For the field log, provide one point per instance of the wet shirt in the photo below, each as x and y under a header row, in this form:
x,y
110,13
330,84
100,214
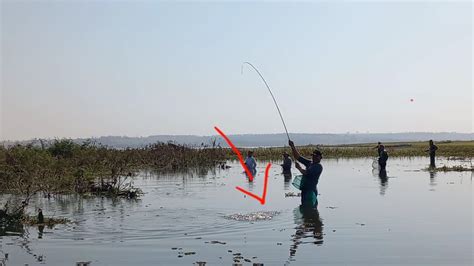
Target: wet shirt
x,y
286,165
433,149
251,163
313,171
380,150
383,157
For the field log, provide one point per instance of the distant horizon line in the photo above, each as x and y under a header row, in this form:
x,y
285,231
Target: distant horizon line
x,y
241,134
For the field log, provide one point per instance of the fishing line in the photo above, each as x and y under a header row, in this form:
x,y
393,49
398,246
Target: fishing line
x,y
268,87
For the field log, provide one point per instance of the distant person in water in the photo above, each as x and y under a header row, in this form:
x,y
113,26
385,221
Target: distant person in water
x,y
286,164
383,157
432,150
309,190
40,216
379,148
251,163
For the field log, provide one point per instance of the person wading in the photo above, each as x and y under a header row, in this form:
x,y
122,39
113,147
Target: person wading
x,y
286,164
379,148
251,163
383,157
432,150
309,190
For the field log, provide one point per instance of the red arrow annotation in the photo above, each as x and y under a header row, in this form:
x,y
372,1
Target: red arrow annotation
x,y
267,170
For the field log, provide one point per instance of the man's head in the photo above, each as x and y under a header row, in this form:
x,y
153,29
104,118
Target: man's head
x,y
431,142
317,156
250,153
285,154
382,147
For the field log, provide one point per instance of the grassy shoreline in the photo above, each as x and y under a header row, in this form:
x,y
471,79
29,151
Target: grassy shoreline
x,y
88,169
453,149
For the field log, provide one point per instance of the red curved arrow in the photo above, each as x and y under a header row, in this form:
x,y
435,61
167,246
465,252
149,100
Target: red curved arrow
x,y
267,170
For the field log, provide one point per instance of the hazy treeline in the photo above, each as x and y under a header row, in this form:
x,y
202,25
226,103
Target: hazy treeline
x,y
260,140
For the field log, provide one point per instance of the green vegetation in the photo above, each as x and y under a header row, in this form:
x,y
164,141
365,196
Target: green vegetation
x,y
452,149
456,168
66,167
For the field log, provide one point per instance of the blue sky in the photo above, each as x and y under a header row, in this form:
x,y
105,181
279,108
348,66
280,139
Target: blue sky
x,y
94,68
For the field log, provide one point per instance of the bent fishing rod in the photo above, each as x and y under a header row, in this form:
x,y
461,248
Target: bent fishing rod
x,y
268,87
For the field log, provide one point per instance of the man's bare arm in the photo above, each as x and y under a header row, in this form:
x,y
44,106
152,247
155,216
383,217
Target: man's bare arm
x,y
296,154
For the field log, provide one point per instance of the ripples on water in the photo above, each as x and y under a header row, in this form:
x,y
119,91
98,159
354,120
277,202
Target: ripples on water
x,y
200,217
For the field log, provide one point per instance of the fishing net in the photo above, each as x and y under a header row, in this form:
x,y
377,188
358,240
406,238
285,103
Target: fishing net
x,y
375,163
297,181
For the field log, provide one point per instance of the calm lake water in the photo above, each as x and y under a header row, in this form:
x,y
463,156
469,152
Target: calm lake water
x,y
412,217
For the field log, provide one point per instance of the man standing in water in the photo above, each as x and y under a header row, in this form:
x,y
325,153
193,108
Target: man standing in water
x,y
383,157
286,164
379,148
432,150
309,190
251,163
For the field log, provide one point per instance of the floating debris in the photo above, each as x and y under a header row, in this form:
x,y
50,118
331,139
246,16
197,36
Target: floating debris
x,y
218,242
189,253
200,263
330,207
253,216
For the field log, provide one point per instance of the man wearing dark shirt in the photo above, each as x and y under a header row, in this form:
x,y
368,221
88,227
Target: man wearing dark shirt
x,y
383,157
379,148
286,164
309,191
432,150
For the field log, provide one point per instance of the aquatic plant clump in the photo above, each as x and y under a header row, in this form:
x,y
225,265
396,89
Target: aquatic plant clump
x,y
49,221
67,167
456,168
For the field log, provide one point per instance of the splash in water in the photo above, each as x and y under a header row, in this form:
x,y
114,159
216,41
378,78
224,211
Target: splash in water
x,y
253,216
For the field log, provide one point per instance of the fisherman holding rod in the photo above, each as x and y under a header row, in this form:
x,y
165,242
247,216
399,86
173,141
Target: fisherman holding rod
x,y
309,191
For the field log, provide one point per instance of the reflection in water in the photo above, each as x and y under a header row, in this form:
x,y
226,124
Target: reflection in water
x,y
432,172
308,225
383,178
11,228
40,231
287,183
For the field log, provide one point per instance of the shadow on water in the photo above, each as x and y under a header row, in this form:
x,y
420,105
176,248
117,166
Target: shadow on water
x,y
309,228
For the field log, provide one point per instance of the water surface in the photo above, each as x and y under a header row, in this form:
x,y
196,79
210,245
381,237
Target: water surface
x,y
409,217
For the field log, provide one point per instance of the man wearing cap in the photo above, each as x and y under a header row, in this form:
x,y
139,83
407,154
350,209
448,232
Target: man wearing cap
x,y
309,191
286,164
